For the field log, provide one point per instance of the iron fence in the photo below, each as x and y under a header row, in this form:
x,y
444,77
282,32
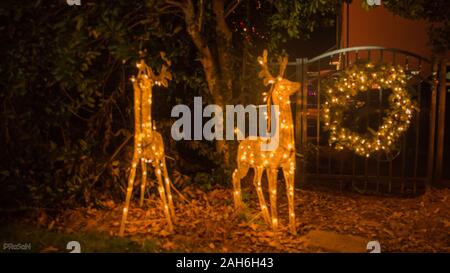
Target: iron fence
x,y
409,170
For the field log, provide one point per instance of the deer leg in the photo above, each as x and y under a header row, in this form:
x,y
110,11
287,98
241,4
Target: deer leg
x,y
162,194
289,178
262,201
272,177
168,190
238,174
128,194
144,181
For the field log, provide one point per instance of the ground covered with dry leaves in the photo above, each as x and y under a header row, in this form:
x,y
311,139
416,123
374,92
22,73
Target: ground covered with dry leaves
x,y
326,222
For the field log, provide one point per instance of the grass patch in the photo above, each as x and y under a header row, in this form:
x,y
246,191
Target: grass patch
x,y
43,240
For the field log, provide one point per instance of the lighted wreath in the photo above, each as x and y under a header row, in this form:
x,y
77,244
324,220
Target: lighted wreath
x,y
340,95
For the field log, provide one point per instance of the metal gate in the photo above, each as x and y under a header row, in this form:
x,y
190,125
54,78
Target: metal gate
x,y
409,171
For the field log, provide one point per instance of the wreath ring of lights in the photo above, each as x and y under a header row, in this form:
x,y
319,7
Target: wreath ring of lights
x,y
342,89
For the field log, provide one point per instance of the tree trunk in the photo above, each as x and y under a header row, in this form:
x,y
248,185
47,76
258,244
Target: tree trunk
x,y
218,71
225,69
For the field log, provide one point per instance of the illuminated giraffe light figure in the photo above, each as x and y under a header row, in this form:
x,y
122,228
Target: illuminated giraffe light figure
x,y
250,154
148,144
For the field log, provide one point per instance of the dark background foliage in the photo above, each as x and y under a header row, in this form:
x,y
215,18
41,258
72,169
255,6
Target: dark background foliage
x,y
67,101
66,97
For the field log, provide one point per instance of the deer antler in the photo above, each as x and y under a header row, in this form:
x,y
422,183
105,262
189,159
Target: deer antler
x,y
165,75
265,72
283,61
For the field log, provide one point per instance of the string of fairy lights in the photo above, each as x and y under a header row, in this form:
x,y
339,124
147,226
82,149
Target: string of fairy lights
x,y
248,30
148,143
250,154
340,93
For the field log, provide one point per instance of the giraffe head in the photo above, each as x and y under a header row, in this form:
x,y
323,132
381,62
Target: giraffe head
x,y
146,74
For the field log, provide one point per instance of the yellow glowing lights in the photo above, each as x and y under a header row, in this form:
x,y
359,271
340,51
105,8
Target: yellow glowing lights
x,y
360,78
282,157
148,144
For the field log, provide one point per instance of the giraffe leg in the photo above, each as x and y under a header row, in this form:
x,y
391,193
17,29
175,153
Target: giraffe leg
x,y
162,194
272,177
144,181
128,194
238,174
262,201
168,190
289,178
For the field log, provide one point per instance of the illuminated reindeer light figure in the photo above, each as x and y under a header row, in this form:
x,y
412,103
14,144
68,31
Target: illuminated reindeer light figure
x,y
148,144
250,154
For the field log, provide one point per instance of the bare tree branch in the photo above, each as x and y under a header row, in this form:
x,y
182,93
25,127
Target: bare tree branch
x,y
167,9
231,7
222,27
193,29
179,4
200,16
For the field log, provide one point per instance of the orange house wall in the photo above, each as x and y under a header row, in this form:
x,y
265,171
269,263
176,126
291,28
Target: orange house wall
x,y
380,27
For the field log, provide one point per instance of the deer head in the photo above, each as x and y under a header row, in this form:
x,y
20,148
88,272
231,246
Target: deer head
x,y
285,87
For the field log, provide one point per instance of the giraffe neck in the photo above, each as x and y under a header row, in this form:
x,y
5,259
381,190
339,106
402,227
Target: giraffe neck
x,y
142,112
146,111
